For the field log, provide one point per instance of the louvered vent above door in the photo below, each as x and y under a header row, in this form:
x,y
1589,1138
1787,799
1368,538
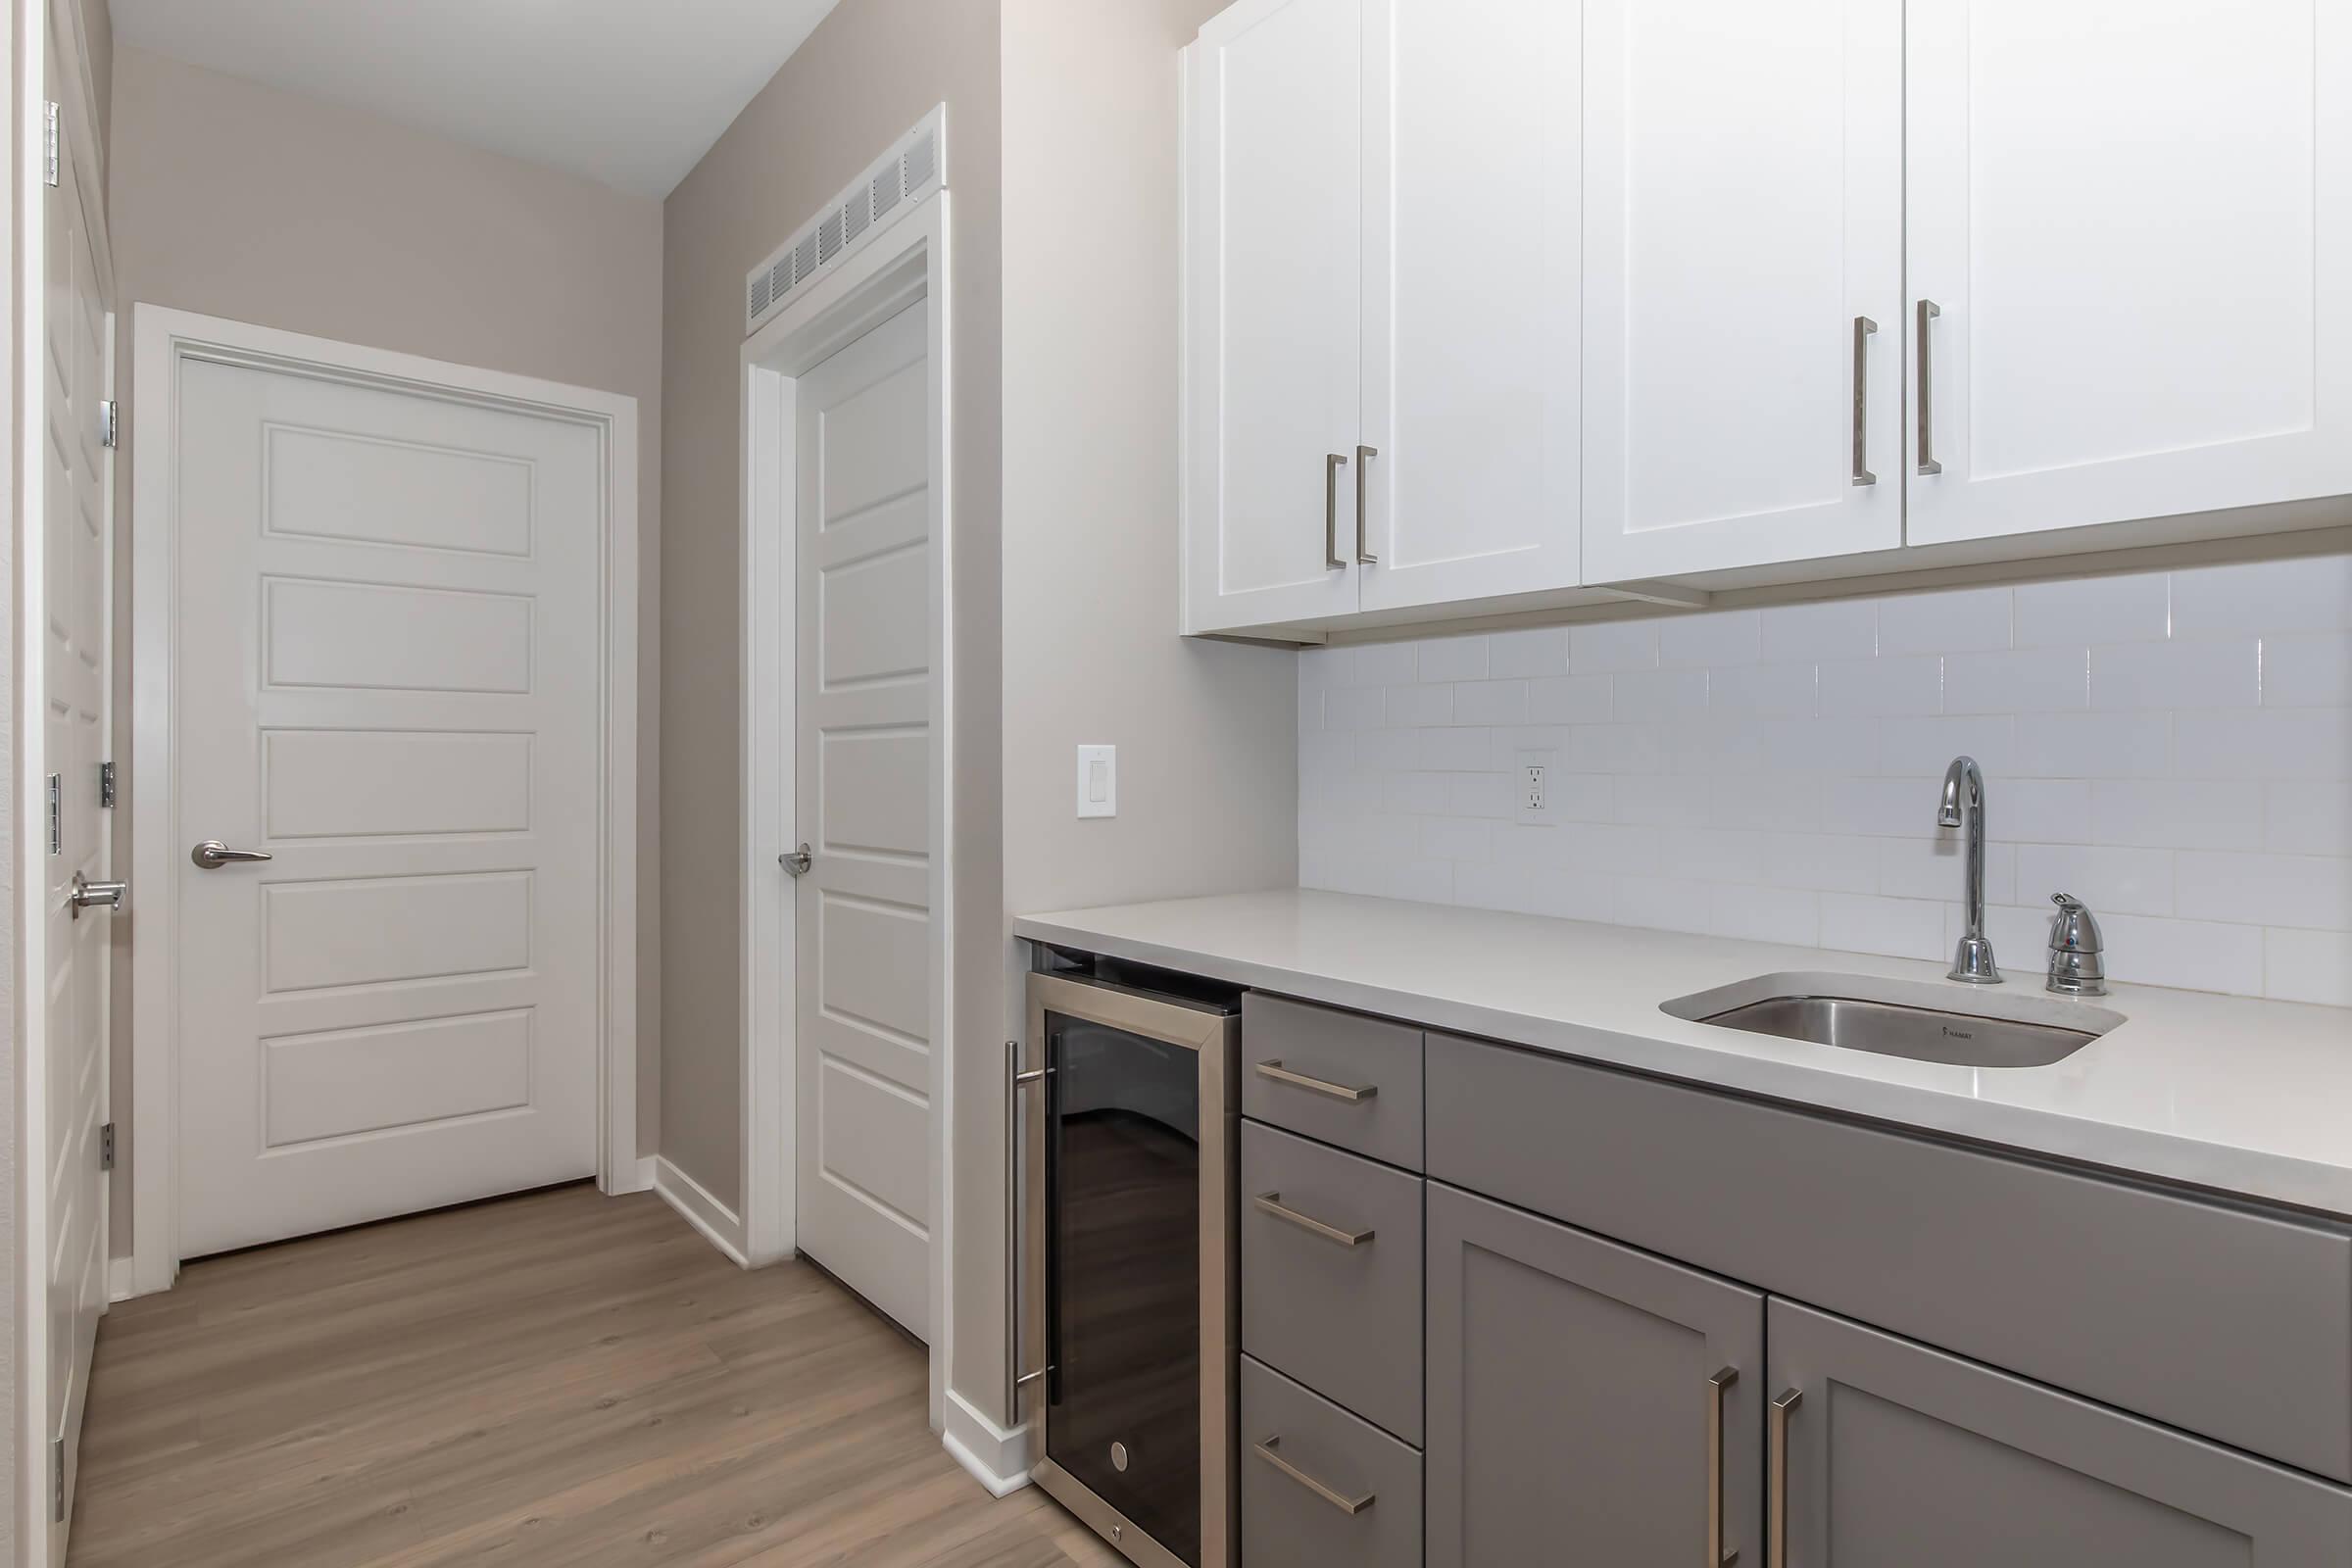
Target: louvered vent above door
x,y
914,168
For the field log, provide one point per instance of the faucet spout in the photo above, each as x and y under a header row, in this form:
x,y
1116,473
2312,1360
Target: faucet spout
x,y
1963,804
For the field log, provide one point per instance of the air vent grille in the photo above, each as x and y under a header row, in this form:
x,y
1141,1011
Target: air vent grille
x,y
909,171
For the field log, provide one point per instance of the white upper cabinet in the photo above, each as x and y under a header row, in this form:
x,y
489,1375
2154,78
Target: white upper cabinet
x,y
2136,224
1273,357
1743,233
1471,289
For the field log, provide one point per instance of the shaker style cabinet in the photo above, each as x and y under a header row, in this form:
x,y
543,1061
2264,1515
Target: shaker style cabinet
x,y
1381,299
1587,1402
1885,1452
2131,237
1744,284
1548,301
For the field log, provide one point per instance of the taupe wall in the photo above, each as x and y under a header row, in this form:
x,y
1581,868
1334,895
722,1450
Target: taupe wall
x,y
241,201
1206,732
868,72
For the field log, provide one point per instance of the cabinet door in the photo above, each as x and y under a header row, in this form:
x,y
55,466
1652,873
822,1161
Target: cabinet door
x,y
1571,1400
1472,125
1897,1453
1273,361
1743,215
2138,227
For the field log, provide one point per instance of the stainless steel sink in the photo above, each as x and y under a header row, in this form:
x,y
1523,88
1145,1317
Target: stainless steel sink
x,y
1901,1019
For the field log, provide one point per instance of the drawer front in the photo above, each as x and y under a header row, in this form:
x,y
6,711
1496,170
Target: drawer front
x,y
1318,1486
1330,1275
2217,1319
1340,1077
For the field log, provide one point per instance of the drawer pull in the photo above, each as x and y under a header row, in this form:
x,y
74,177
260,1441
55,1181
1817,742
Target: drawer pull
x,y
1355,1095
1272,1203
1717,1387
1351,1506
1779,1483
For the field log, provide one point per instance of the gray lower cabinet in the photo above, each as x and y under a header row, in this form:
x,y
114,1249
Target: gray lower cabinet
x,y
1899,1455
1320,1487
1576,1402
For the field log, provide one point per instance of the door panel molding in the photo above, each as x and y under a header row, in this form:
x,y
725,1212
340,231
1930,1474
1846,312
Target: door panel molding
x,y
164,341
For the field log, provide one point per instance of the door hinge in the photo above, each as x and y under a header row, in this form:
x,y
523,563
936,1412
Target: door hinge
x,y
57,1480
106,1147
106,785
53,144
110,422
57,819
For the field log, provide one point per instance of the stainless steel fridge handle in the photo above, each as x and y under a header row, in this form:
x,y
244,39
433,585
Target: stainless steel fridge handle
x,y
1016,1079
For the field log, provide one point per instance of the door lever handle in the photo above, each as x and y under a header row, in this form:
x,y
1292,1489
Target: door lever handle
x,y
796,862
211,854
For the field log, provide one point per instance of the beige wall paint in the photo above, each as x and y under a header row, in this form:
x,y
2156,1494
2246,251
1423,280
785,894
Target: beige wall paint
x,y
242,201
868,72
1206,732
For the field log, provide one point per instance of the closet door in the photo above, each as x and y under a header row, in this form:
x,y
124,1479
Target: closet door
x,y
1273,363
1742,228
2136,225
1472,122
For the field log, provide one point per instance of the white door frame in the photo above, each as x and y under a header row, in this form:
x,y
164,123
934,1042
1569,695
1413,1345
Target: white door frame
x,y
163,338
892,271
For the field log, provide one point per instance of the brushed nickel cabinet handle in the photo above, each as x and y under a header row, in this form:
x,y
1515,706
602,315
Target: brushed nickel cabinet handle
x,y
1331,511
1929,310
1273,1204
1779,1481
1354,1094
1348,1505
1864,330
1717,1387
1363,471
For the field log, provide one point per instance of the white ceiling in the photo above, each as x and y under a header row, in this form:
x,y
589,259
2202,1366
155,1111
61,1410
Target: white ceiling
x,y
629,92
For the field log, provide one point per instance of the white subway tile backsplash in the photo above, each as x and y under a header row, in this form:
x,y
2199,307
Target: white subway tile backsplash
x,y
2218,673
2019,680
2308,966
2174,748
2133,607
2311,669
1842,628
1969,618
1607,647
1569,699
1710,641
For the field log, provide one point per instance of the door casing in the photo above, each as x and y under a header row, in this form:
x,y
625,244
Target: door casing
x,y
891,271
161,339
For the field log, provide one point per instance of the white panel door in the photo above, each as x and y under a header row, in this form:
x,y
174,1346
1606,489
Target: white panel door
x,y
1273,366
73,634
863,992
2136,224
1743,212
388,680
1472,167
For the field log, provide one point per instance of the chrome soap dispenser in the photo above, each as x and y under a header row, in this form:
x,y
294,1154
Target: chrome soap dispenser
x,y
2078,957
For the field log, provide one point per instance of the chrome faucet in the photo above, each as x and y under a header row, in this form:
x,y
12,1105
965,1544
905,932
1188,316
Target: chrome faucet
x,y
1964,800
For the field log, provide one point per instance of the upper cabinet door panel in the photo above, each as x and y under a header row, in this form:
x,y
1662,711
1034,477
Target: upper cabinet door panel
x,y
1743,208
1273,221
2138,227
1472,131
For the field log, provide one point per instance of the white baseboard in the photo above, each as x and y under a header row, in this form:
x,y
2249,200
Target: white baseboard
x,y
721,1226
645,1173
119,1282
997,1458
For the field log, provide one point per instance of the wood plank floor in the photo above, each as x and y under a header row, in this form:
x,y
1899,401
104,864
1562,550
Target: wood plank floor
x,y
559,1379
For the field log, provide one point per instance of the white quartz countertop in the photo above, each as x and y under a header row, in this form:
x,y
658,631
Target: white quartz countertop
x,y
2239,1096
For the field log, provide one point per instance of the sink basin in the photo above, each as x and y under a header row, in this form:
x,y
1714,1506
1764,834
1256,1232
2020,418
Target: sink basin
x,y
1901,1019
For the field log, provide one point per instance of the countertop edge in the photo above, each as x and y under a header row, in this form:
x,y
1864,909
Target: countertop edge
x,y
2228,1171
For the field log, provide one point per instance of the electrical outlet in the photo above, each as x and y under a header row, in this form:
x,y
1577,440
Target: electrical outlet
x,y
1531,782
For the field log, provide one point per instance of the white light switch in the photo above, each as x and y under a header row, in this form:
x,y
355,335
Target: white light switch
x,y
1097,781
